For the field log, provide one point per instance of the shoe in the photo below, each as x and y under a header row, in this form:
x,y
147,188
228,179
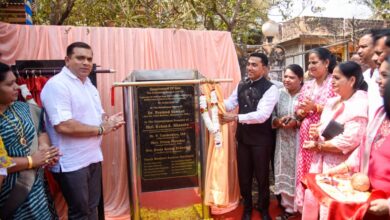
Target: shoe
x,y
246,215
265,215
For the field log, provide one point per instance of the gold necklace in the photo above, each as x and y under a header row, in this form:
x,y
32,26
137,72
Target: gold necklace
x,y
20,132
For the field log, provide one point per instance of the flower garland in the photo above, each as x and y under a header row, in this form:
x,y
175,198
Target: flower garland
x,y
212,123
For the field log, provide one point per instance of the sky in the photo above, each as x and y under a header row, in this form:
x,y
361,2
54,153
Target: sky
x,y
333,8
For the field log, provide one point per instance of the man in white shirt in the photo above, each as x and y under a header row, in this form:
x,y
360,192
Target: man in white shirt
x,y
380,51
75,122
256,98
366,52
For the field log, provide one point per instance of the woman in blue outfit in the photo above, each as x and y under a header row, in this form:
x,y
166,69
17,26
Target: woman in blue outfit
x,y
24,193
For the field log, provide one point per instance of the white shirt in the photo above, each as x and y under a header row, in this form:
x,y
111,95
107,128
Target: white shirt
x,y
66,97
374,98
263,110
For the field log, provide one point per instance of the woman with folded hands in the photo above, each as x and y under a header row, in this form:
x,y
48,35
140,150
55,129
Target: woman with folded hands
x,y
312,98
342,125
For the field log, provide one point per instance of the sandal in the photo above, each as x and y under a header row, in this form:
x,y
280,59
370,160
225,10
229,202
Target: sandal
x,y
285,216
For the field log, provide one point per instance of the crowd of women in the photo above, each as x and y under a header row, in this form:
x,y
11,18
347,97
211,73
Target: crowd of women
x,y
323,127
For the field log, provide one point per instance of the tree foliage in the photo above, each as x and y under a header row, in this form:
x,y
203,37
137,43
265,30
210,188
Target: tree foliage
x,y
286,8
380,8
241,17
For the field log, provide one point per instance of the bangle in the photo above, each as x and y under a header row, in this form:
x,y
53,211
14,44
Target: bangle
x,y
30,162
318,108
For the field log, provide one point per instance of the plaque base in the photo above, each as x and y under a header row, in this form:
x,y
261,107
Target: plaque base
x,y
171,204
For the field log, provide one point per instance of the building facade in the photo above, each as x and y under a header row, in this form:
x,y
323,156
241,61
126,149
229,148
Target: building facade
x,y
299,35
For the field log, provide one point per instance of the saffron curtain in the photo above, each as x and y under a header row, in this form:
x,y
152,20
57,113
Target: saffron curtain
x,y
212,53
222,191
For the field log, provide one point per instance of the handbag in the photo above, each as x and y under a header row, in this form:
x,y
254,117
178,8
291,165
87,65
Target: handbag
x,y
26,178
334,128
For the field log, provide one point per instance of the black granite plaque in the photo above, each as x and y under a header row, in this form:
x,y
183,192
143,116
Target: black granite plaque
x,y
166,137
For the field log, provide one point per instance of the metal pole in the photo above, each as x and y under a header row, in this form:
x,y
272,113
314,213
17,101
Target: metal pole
x,y
203,149
172,82
131,153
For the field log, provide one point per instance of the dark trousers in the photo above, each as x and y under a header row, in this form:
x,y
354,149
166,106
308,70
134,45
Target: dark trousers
x,y
253,159
82,191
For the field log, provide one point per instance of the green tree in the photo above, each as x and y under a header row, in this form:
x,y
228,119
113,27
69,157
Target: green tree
x,y
240,17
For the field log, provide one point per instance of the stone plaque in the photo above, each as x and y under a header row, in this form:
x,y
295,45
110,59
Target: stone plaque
x,y
166,137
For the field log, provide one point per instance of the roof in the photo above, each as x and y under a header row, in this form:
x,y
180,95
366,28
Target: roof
x,y
302,36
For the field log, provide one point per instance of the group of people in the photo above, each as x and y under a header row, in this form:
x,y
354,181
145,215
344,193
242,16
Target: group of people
x,y
332,123
65,137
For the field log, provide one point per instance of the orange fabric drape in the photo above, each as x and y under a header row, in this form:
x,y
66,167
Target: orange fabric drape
x,y
222,191
212,53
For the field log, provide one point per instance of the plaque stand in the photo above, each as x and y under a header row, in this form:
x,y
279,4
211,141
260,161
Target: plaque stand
x,y
165,141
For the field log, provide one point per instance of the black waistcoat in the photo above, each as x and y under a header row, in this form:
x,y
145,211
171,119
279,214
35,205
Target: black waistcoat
x,y
249,95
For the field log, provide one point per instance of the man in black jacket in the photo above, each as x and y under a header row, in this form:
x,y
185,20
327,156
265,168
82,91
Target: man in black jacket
x,y
256,98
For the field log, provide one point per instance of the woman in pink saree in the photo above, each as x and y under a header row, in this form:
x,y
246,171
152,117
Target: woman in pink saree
x,y
312,99
373,157
348,111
